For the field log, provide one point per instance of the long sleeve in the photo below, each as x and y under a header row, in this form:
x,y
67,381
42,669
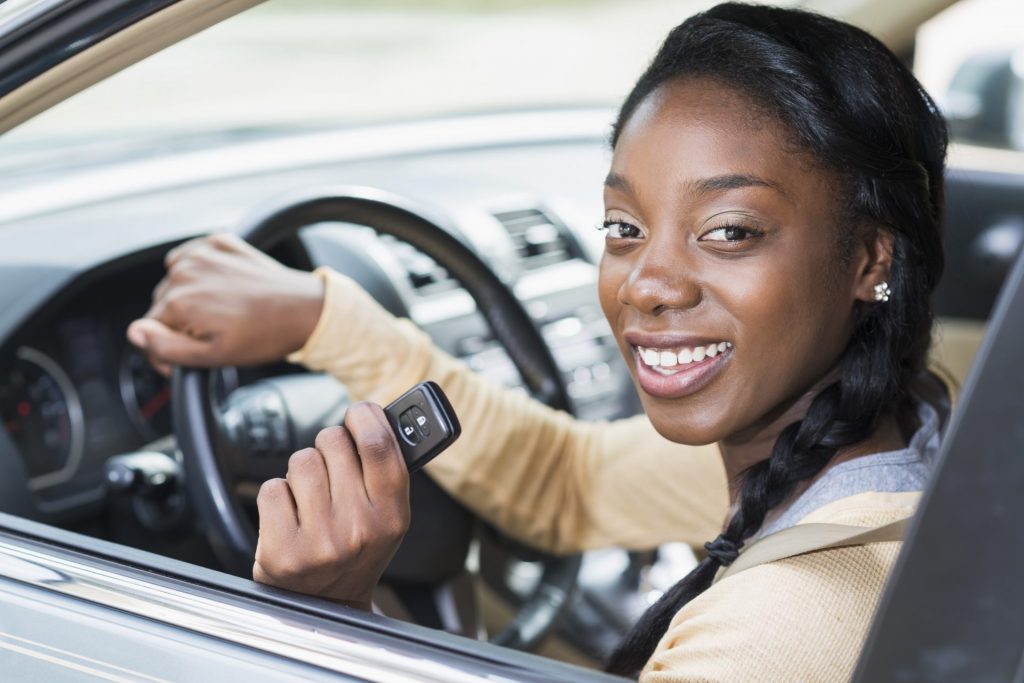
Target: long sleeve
x,y
537,474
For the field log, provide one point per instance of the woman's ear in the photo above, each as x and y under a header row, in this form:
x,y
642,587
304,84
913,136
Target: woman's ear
x,y
875,263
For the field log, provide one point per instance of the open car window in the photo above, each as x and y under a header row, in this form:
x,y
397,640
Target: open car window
x,y
971,58
289,64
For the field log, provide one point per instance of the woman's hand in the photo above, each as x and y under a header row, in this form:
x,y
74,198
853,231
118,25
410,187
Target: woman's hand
x,y
225,303
333,525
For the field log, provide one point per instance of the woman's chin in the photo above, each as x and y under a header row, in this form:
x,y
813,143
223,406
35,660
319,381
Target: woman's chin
x,y
689,430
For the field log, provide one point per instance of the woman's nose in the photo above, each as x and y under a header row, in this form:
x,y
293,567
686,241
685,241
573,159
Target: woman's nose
x,y
661,280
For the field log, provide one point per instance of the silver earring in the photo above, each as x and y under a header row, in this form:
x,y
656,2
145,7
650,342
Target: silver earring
x,y
882,292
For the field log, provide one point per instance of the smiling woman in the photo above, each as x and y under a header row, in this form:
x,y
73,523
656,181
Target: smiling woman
x,y
772,215
749,202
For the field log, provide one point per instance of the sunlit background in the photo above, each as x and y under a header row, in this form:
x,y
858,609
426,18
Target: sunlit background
x,y
292,63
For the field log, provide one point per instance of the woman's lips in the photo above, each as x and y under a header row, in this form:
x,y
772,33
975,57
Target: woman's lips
x,y
679,380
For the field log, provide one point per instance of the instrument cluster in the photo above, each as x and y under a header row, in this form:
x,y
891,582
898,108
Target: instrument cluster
x,y
74,392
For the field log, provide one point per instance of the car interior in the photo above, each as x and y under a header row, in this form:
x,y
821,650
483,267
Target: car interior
x,y
478,226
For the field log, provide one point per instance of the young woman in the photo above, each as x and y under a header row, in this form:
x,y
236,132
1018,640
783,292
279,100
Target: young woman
x,y
772,214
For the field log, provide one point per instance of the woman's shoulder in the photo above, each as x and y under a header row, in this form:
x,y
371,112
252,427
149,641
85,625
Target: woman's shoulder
x,y
801,618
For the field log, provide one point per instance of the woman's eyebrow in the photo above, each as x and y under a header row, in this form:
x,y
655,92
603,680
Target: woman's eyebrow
x,y
718,183
615,181
732,181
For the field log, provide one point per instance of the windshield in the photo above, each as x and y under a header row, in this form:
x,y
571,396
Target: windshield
x,y
290,64
309,64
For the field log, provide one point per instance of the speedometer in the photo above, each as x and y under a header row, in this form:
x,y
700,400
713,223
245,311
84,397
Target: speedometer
x,y
146,394
42,414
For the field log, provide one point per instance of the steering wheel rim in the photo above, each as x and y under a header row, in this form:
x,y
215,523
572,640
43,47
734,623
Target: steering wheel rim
x,y
193,403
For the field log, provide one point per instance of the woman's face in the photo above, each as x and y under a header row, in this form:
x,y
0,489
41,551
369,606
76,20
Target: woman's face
x,y
721,277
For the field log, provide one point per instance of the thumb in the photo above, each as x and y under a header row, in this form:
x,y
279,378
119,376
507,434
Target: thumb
x,y
166,346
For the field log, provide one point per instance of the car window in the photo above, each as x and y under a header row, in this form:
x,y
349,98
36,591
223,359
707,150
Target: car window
x,y
971,59
318,63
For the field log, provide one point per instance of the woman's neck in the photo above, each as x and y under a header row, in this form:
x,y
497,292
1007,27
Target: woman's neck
x,y
743,450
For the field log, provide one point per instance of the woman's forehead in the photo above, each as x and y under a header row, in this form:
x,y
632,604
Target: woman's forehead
x,y
698,136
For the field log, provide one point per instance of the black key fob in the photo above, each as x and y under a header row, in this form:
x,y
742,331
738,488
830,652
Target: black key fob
x,y
424,422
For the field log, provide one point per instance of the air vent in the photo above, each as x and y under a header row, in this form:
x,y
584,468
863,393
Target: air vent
x,y
539,240
425,276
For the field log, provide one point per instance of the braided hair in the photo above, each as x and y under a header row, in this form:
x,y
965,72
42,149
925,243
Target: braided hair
x,y
858,111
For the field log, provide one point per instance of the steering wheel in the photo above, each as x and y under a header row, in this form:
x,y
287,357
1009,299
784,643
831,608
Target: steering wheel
x,y
216,440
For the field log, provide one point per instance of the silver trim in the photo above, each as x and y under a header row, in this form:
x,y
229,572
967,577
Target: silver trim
x,y
283,637
76,449
73,661
16,13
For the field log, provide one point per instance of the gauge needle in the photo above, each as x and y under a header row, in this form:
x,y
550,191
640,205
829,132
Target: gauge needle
x,y
154,404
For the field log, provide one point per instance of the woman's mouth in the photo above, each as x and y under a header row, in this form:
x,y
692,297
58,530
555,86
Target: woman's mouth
x,y
680,371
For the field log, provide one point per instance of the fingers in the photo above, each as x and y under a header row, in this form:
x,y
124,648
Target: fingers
x,y
332,526
227,242
182,250
310,487
384,471
279,520
231,243
166,346
343,467
161,289
364,452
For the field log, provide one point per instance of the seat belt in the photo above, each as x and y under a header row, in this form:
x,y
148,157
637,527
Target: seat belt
x,y
808,538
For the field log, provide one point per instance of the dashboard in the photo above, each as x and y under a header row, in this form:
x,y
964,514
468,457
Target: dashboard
x,y
74,393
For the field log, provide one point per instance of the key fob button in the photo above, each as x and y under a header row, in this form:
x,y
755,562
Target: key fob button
x,y
409,432
424,423
420,421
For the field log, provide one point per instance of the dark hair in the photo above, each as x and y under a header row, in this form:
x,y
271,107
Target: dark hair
x,y
856,109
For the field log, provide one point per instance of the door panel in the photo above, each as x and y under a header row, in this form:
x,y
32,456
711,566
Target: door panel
x,y
45,636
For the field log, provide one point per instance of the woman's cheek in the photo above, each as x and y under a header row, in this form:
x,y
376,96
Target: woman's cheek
x,y
613,273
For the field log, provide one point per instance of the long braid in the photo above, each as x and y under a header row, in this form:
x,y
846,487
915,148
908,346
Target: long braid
x,y
885,139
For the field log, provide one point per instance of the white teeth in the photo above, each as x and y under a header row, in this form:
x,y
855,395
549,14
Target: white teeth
x,y
658,358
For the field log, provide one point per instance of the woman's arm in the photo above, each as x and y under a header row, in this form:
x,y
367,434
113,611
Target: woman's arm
x,y
538,474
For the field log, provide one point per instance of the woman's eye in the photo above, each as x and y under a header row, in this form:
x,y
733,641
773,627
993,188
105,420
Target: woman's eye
x,y
729,233
621,230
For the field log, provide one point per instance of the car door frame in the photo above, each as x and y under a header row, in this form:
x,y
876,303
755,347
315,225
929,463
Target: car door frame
x,y
953,608
247,621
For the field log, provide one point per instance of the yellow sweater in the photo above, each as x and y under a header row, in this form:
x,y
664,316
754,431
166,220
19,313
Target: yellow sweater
x,y
566,486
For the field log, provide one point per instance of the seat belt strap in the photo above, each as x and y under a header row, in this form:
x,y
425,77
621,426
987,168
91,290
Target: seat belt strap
x,y
808,538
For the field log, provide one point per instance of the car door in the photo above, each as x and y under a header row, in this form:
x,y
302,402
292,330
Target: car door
x,y
73,607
